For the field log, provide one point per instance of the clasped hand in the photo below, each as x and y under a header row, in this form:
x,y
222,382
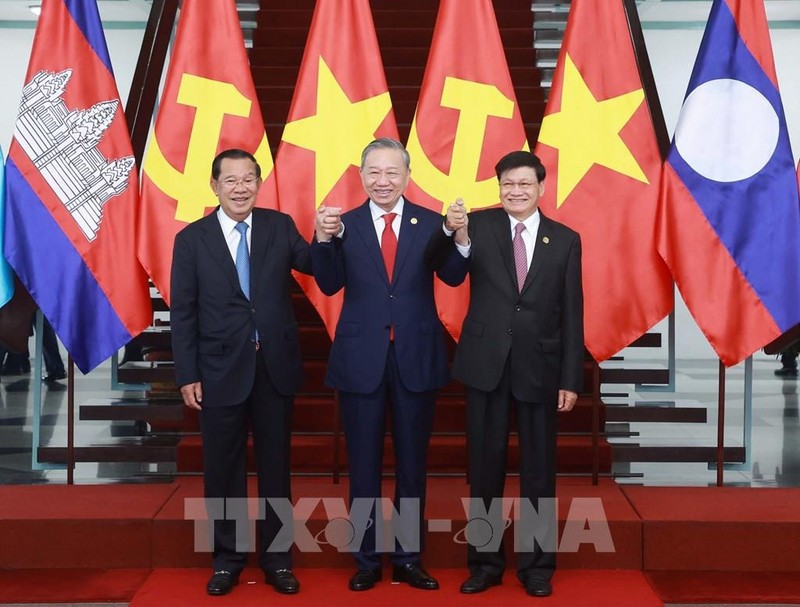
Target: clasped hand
x,y
328,222
457,221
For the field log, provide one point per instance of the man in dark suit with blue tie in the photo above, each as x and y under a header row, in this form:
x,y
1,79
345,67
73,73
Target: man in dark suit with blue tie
x,y
521,344
237,360
388,356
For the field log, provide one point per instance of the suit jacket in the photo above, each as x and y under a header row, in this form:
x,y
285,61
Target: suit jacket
x,y
539,329
213,322
372,303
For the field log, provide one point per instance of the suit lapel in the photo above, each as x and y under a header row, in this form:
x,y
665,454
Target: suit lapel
x,y
409,231
260,239
501,226
364,229
219,255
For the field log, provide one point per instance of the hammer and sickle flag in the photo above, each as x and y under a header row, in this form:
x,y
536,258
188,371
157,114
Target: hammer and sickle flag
x,y
598,142
467,118
340,104
209,105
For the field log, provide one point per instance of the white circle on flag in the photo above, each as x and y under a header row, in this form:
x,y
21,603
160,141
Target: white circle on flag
x,y
727,130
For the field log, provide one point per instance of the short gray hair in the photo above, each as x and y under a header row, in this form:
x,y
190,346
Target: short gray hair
x,y
386,143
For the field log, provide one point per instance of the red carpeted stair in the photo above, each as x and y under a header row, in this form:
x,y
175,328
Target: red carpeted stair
x,y
97,543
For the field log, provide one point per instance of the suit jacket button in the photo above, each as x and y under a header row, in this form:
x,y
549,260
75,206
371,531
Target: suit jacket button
x,y
518,308
510,331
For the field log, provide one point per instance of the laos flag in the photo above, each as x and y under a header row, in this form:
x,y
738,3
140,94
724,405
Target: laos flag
x,y
729,224
72,189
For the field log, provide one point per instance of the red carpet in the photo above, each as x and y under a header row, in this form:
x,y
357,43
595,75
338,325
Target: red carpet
x,y
173,535
186,587
726,587
71,585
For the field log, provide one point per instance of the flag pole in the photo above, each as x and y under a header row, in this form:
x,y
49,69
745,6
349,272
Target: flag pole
x,y
646,76
595,422
70,420
721,425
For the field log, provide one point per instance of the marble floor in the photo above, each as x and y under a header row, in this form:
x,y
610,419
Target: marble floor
x,y
773,440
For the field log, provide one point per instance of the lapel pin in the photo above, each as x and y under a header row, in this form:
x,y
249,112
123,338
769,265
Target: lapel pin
x,y
546,240
413,220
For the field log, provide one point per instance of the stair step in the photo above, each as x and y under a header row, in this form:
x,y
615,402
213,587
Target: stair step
x,y
656,413
675,454
135,409
317,414
313,368
446,455
152,449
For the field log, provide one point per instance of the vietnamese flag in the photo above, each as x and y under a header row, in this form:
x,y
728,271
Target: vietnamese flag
x,y
341,103
467,118
209,105
599,145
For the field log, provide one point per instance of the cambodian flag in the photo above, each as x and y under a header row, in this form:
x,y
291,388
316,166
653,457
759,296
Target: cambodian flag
x,y
730,217
72,189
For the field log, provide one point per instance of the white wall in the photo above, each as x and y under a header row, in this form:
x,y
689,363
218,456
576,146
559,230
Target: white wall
x,y
672,54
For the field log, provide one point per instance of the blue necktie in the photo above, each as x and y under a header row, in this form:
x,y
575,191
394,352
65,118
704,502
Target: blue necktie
x,y
243,259
243,264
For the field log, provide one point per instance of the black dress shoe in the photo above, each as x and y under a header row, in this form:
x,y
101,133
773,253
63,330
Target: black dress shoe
x,y
283,581
56,376
364,579
222,582
415,576
537,586
480,581
786,372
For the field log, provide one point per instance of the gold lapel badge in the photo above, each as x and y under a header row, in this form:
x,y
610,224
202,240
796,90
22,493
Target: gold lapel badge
x,y
546,240
413,220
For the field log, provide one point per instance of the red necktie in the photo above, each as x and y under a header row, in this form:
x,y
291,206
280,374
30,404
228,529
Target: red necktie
x,y
389,244
389,250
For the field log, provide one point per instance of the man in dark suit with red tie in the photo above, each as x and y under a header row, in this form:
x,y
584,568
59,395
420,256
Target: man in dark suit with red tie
x,y
522,343
237,360
388,356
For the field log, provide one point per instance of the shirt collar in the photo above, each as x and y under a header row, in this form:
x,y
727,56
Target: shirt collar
x,y
378,212
228,224
531,223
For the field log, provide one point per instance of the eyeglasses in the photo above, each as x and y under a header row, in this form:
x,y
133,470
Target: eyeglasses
x,y
231,182
390,174
522,185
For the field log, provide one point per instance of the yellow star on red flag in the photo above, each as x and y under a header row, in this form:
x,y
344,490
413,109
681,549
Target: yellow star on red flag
x,y
586,132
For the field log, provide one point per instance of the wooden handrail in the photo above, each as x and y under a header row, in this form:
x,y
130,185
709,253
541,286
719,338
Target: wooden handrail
x,y
147,77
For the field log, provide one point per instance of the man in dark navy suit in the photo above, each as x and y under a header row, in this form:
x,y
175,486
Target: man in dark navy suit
x,y
388,356
237,360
